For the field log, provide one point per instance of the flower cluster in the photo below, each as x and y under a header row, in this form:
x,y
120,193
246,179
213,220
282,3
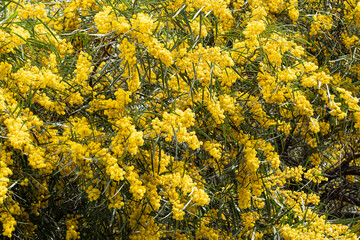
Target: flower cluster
x,y
182,119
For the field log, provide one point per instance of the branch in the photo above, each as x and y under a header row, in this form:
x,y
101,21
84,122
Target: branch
x,y
342,168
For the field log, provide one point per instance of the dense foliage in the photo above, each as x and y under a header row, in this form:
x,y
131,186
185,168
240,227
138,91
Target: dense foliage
x,y
180,119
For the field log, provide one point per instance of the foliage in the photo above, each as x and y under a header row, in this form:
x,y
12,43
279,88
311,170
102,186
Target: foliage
x,y
180,119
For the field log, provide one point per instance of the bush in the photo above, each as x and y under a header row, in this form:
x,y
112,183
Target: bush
x,y
180,119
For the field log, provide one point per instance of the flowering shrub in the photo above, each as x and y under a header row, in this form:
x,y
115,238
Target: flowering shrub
x,y
180,119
